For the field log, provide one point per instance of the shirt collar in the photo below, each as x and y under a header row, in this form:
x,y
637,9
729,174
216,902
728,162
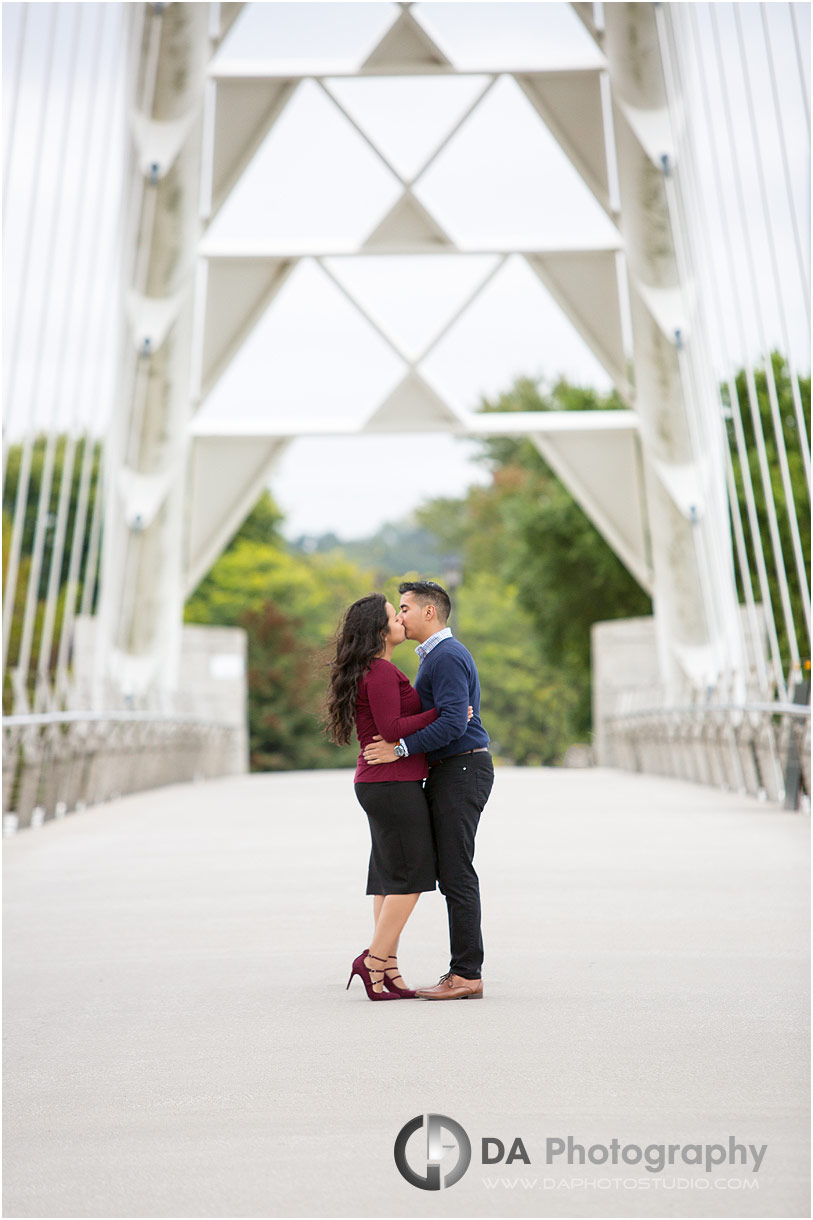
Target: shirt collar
x,y
426,647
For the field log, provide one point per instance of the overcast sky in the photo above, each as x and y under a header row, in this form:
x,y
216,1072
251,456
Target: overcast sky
x,y
502,181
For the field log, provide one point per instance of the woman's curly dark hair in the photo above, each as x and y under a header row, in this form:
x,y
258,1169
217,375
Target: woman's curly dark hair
x,y
359,639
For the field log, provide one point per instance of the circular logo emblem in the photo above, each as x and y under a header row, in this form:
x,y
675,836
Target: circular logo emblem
x,y
430,1178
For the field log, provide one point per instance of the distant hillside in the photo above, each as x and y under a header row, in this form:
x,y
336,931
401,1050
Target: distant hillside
x,y
398,547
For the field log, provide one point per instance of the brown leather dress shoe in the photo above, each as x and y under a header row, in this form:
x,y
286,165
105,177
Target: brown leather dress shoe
x,y
453,987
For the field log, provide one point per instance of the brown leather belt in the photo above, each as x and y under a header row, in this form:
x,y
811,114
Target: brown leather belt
x,y
479,750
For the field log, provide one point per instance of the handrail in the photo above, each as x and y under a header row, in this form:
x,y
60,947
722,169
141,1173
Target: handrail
x,y
58,761
756,747
105,717
774,709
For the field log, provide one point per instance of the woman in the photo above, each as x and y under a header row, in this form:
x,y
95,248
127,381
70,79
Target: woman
x,y
367,693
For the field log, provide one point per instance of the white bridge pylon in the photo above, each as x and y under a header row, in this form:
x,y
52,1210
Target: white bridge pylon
x,y
651,491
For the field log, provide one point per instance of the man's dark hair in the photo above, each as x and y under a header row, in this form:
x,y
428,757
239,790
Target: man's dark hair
x,y
429,594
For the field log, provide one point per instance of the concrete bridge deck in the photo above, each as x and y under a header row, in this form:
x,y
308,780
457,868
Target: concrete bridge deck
x,y
179,1042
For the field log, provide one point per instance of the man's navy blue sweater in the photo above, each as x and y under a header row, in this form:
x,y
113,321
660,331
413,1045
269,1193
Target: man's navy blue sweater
x,y
448,681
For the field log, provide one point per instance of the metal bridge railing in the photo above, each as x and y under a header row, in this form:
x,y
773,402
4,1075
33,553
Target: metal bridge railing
x,y
55,763
759,748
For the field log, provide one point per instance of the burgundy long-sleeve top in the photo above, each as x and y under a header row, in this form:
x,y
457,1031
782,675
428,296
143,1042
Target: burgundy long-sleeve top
x,y
388,705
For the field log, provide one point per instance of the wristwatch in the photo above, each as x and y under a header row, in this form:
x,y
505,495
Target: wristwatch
x,y
400,750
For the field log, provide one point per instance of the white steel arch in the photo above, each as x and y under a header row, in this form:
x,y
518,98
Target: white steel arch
x,y
651,478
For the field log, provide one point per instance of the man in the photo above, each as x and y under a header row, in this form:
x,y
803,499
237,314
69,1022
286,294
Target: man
x,y
461,775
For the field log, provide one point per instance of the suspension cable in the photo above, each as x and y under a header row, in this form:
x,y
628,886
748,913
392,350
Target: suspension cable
x,y
756,417
7,166
12,110
24,470
43,519
107,338
95,230
25,278
691,225
804,270
773,397
735,308
803,263
698,226
797,43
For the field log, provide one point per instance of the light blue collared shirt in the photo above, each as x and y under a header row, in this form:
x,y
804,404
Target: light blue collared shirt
x,y
426,647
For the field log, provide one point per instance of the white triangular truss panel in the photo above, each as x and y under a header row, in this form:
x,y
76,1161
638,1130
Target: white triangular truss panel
x,y
603,471
413,406
570,103
405,46
587,15
244,276
408,225
440,287
584,283
245,112
239,290
412,116
228,14
227,477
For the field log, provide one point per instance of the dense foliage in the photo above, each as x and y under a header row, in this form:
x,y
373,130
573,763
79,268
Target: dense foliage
x,y
42,484
290,605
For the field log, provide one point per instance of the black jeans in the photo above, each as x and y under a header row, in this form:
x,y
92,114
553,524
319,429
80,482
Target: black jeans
x,y
457,790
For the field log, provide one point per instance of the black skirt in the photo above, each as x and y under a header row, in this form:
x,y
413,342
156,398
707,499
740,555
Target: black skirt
x,y
402,859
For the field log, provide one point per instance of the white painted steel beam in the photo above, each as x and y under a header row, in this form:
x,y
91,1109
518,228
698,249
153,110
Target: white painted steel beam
x,y
464,423
274,248
695,597
268,69
142,591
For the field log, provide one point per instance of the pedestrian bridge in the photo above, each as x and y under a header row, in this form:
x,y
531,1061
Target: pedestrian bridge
x,y
179,1041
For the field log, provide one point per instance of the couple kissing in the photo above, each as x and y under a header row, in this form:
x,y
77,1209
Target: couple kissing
x,y
423,777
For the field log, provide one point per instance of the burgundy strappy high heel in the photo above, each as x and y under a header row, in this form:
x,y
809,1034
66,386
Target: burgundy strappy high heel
x,y
365,973
389,983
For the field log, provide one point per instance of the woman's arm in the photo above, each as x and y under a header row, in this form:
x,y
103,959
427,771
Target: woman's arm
x,y
384,694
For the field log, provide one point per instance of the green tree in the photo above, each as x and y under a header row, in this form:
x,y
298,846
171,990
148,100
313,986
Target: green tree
x,y
35,478
527,709
290,605
30,511
286,685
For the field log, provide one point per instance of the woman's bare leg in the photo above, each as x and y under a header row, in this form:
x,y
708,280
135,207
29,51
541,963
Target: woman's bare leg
x,y
391,969
395,911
